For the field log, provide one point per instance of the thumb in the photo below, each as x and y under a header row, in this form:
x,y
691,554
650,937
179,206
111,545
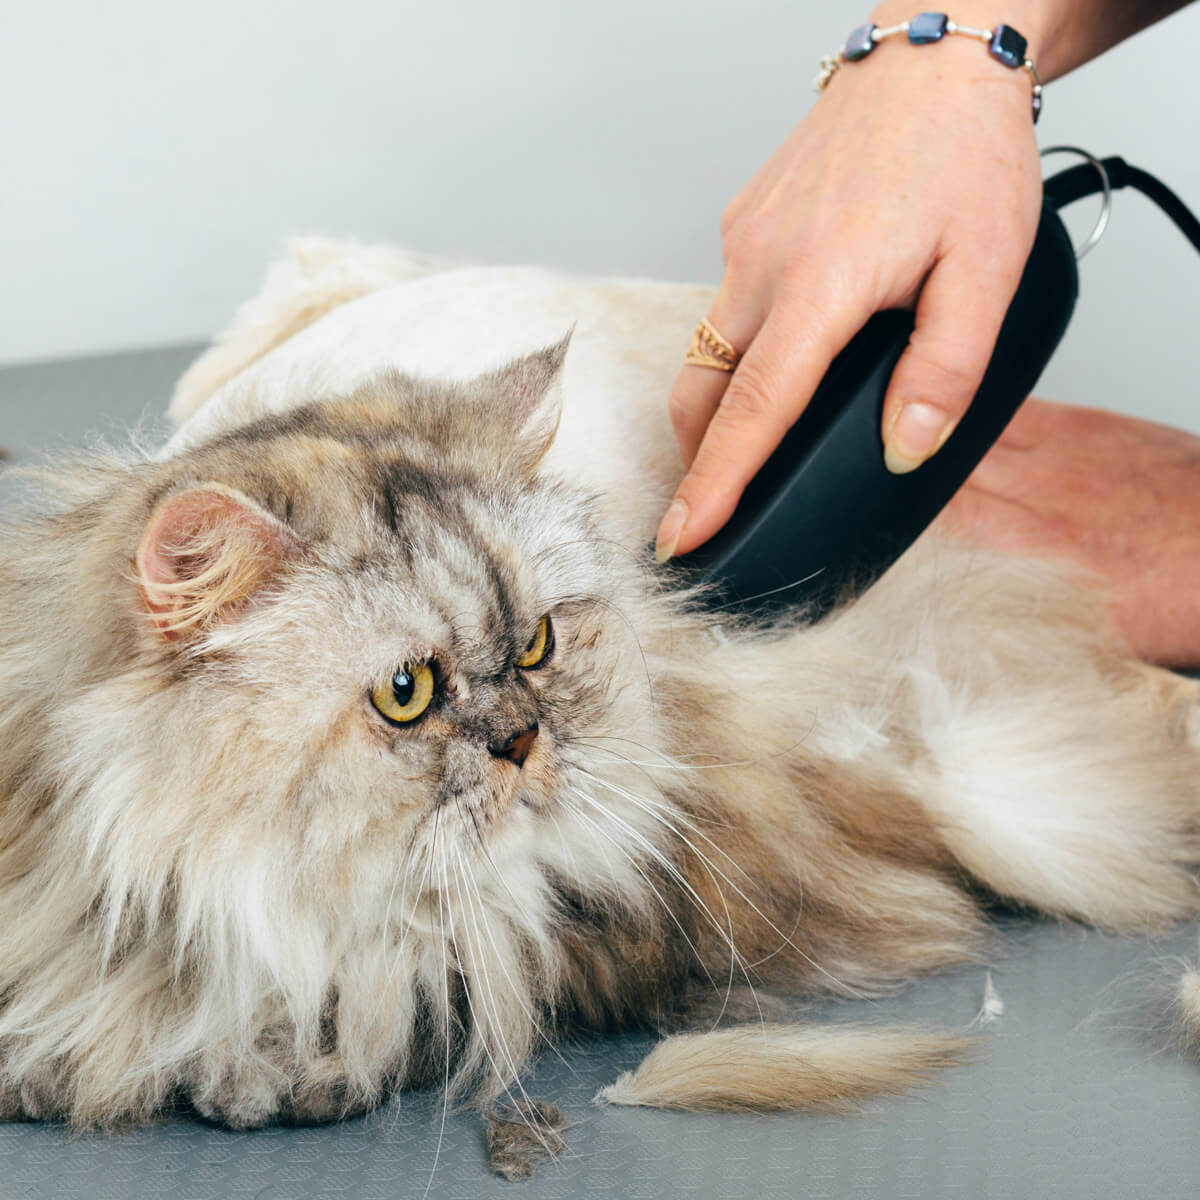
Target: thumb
x,y
959,314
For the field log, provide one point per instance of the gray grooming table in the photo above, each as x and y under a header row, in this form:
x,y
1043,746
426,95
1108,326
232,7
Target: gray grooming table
x,y
1074,1095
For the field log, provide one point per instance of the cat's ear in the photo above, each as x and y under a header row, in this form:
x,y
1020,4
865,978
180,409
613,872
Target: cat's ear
x,y
525,397
206,550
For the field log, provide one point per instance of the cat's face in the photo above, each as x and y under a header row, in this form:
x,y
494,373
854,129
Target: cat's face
x,y
397,661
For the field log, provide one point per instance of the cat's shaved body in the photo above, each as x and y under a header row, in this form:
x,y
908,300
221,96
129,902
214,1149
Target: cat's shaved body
x,y
229,877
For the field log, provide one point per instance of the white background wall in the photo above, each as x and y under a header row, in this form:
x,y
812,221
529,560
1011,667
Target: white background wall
x,y
155,156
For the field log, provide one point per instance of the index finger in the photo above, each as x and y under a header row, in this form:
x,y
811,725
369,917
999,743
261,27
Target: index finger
x,y
771,387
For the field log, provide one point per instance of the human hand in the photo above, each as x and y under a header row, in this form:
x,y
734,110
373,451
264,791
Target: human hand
x,y
1115,494
914,179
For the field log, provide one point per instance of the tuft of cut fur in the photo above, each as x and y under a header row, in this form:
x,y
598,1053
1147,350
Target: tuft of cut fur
x,y
780,1068
1187,1009
992,1007
521,1134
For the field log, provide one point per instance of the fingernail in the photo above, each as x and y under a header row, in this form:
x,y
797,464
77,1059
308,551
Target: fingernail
x,y
917,433
670,530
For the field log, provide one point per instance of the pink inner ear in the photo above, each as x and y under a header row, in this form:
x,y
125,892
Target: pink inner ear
x,y
204,551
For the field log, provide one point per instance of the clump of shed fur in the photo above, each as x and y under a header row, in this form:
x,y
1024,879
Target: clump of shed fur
x,y
780,1068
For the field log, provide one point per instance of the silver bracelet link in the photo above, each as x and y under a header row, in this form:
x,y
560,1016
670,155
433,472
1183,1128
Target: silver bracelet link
x,y
1004,44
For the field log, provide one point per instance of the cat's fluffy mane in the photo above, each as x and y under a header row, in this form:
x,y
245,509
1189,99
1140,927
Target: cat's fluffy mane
x,y
224,881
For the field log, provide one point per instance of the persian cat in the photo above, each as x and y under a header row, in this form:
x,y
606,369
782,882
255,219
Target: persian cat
x,y
350,743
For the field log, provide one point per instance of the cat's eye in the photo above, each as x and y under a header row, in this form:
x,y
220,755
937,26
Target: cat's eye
x,y
539,647
406,695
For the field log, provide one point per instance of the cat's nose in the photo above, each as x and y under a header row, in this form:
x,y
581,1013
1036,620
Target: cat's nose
x,y
516,747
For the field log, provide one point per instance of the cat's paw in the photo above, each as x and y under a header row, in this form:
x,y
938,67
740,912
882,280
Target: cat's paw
x,y
257,1104
241,1098
11,1108
321,1102
42,1095
252,1094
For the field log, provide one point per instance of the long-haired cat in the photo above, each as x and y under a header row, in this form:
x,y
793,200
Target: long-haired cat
x,y
351,743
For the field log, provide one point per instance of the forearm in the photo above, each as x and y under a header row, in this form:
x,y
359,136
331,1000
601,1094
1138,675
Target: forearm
x,y
1062,34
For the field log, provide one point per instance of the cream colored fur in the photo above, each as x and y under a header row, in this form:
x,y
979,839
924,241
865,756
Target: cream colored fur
x,y
318,275
765,1068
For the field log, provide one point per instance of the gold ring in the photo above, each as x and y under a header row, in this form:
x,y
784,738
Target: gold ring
x,y
710,349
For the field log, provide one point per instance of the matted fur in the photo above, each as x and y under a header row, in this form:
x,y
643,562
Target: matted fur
x,y
227,881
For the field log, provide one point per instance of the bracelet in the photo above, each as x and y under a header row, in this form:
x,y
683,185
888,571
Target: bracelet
x,y
1005,45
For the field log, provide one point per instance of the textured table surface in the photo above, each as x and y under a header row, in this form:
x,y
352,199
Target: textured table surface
x,y
1074,1092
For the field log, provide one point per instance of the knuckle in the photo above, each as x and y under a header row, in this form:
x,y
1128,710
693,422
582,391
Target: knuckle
x,y
747,243
955,374
730,215
951,372
815,287
750,397
799,273
714,476
823,279
990,256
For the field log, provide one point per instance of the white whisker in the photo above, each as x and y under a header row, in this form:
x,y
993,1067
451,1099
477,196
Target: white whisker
x,y
665,762
655,811
437,1155
479,1026
654,852
492,1010
667,815
568,853
481,908
786,939
726,935
426,882
646,879
385,931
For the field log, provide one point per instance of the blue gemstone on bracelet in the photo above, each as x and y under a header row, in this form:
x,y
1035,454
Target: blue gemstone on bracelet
x,y
859,44
927,27
1007,46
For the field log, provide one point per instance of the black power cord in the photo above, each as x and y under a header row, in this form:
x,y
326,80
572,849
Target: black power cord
x,y
1084,180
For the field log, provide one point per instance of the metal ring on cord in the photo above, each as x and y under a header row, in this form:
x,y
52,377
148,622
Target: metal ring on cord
x,y
1105,204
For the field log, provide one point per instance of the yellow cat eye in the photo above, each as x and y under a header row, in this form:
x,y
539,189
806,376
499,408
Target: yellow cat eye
x,y
539,647
406,695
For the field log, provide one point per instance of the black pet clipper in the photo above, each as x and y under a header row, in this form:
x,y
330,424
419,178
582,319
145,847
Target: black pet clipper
x,y
824,518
